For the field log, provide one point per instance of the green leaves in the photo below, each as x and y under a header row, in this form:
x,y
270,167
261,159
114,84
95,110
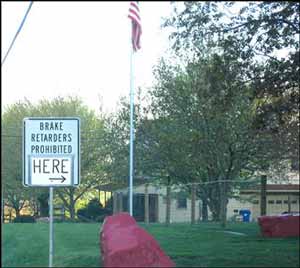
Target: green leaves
x,y
93,155
249,42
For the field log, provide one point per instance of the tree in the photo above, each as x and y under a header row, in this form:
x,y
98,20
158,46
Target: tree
x,y
43,200
92,146
254,38
92,156
93,210
14,193
161,154
154,143
117,141
212,116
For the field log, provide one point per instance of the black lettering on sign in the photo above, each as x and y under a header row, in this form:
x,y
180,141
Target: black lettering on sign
x,y
36,165
52,165
62,166
45,170
51,125
55,165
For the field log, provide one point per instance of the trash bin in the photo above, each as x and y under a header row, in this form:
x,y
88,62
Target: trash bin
x,y
246,214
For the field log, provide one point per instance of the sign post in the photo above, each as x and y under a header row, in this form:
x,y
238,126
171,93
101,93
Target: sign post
x,y
51,226
51,157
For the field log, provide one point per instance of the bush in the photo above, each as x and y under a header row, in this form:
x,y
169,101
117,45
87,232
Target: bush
x,y
82,212
24,219
100,218
42,220
93,211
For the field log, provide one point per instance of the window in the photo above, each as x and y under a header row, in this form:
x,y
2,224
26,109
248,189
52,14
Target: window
x,y
181,202
278,201
294,202
255,202
235,211
285,201
271,202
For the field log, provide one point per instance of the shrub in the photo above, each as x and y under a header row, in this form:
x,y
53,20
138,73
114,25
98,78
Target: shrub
x,y
42,220
100,218
24,219
93,211
81,212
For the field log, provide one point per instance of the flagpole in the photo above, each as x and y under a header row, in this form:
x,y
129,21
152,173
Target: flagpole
x,y
131,132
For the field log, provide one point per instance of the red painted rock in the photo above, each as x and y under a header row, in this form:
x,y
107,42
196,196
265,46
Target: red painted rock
x,y
125,244
279,226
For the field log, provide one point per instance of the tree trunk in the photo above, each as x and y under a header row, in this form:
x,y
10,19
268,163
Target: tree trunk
x,y
204,209
115,203
10,216
193,201
72,211
263,195
120,202
35,207
168,203
2,204
214,201
215,206
43,204
72,204
223,204
17,210
146,204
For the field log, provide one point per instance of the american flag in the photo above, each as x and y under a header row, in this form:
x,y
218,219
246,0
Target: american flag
x,y
134,15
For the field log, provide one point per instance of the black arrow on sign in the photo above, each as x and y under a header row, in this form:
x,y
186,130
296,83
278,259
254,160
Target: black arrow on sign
x,y
55,179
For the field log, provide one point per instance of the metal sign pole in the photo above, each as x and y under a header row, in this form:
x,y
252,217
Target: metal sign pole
x,y
51,227
50,164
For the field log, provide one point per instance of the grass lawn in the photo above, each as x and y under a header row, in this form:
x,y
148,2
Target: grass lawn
x,y
205,245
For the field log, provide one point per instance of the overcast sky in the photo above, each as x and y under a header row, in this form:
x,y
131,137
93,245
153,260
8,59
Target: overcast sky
x,y
78,48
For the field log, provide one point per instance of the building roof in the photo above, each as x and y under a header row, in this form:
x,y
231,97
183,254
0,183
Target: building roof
x,y
120,184
275,188
283,187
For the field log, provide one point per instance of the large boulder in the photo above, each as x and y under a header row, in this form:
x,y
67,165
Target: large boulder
x,y
279,226
125,244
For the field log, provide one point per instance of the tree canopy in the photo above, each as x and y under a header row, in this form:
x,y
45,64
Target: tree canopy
x,y
93,157
253,38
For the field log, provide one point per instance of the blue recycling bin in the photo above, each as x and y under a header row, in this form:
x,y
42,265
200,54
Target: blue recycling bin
x,y
246,214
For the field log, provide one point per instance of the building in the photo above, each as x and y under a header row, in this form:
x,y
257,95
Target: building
x,y
280,198
180,204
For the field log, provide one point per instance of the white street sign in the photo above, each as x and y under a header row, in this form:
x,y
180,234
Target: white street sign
x,y
51,151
